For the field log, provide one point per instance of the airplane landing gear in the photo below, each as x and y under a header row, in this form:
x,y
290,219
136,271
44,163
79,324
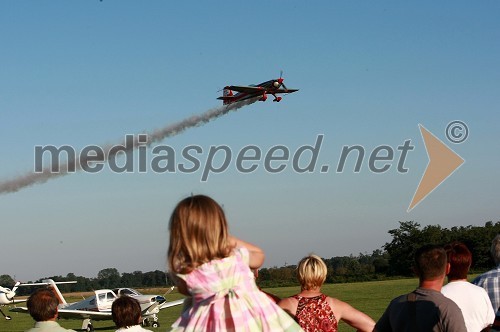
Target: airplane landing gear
x,y
146,322
8,318
87,325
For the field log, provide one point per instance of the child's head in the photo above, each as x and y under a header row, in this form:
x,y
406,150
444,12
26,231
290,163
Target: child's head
x,y
198,234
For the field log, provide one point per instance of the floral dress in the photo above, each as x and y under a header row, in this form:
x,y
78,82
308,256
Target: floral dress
x,y
314,314
224,297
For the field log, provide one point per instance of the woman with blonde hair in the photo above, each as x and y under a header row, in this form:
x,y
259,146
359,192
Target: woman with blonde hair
x,y
214,269
313,310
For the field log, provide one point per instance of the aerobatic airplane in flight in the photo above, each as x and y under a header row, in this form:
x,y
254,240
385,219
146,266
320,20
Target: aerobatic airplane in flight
x,y
272,87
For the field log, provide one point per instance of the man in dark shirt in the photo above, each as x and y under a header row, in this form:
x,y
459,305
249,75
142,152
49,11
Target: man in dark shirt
x,y
424,309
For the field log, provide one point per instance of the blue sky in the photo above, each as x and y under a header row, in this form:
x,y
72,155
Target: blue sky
x,y
88,72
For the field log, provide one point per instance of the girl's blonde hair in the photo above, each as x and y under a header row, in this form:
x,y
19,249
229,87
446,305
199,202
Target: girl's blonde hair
x,y
198,234
311,272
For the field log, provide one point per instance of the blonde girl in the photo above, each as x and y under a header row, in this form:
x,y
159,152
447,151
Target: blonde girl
x,y
213,268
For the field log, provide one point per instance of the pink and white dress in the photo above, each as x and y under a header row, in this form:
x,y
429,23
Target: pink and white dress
x,y
226,298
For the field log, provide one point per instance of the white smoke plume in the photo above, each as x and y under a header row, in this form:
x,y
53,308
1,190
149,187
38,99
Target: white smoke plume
x,y
20,182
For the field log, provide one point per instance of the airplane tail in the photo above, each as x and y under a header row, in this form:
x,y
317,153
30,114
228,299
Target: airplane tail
x,y
227,92
52,284
227,96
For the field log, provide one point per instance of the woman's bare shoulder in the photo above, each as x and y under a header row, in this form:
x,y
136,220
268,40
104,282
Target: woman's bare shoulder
x,y
337,305
288,300
289,304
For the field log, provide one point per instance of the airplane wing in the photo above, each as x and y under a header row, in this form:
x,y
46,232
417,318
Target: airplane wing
x,y
246,89
227,98
68,314
171,304
23,310
83,314
285,91
17,301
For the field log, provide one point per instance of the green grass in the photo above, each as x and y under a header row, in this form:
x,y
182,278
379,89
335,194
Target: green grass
x,y
370,297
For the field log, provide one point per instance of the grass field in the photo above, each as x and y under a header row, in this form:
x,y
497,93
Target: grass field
x,y
369,297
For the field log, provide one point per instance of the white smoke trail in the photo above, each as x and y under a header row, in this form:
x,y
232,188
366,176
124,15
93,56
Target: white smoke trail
x,y
20,182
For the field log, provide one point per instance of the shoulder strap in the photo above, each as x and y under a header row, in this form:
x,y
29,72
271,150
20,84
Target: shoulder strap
x,y
412,305
412,297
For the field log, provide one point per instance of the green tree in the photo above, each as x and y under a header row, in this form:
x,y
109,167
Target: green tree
x,y
154,278
405,241
6,281
409,236
108,278
133,279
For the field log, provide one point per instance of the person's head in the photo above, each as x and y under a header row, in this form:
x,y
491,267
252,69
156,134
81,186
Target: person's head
x,y
430,262
198,234
126,311
460,259
42,305
495,249
311,272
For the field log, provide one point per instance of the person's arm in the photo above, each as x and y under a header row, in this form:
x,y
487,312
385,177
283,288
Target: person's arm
x,y
180,284
289,305
257,255
355,318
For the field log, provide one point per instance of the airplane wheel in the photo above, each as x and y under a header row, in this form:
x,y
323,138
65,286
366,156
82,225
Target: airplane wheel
x,y
155,324
90,328
8,318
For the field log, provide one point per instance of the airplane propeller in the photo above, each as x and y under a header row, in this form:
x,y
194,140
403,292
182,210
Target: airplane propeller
x,y
16,286
280,80
7,296
169,291
10,293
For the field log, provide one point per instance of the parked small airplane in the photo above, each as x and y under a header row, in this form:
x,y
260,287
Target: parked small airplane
x,y
272,87
7,297
98,306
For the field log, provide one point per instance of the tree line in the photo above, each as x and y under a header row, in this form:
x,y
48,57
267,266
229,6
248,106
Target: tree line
x,y
394,259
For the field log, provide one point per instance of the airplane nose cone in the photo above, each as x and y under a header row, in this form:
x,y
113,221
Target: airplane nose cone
x,y
160,299
280,80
